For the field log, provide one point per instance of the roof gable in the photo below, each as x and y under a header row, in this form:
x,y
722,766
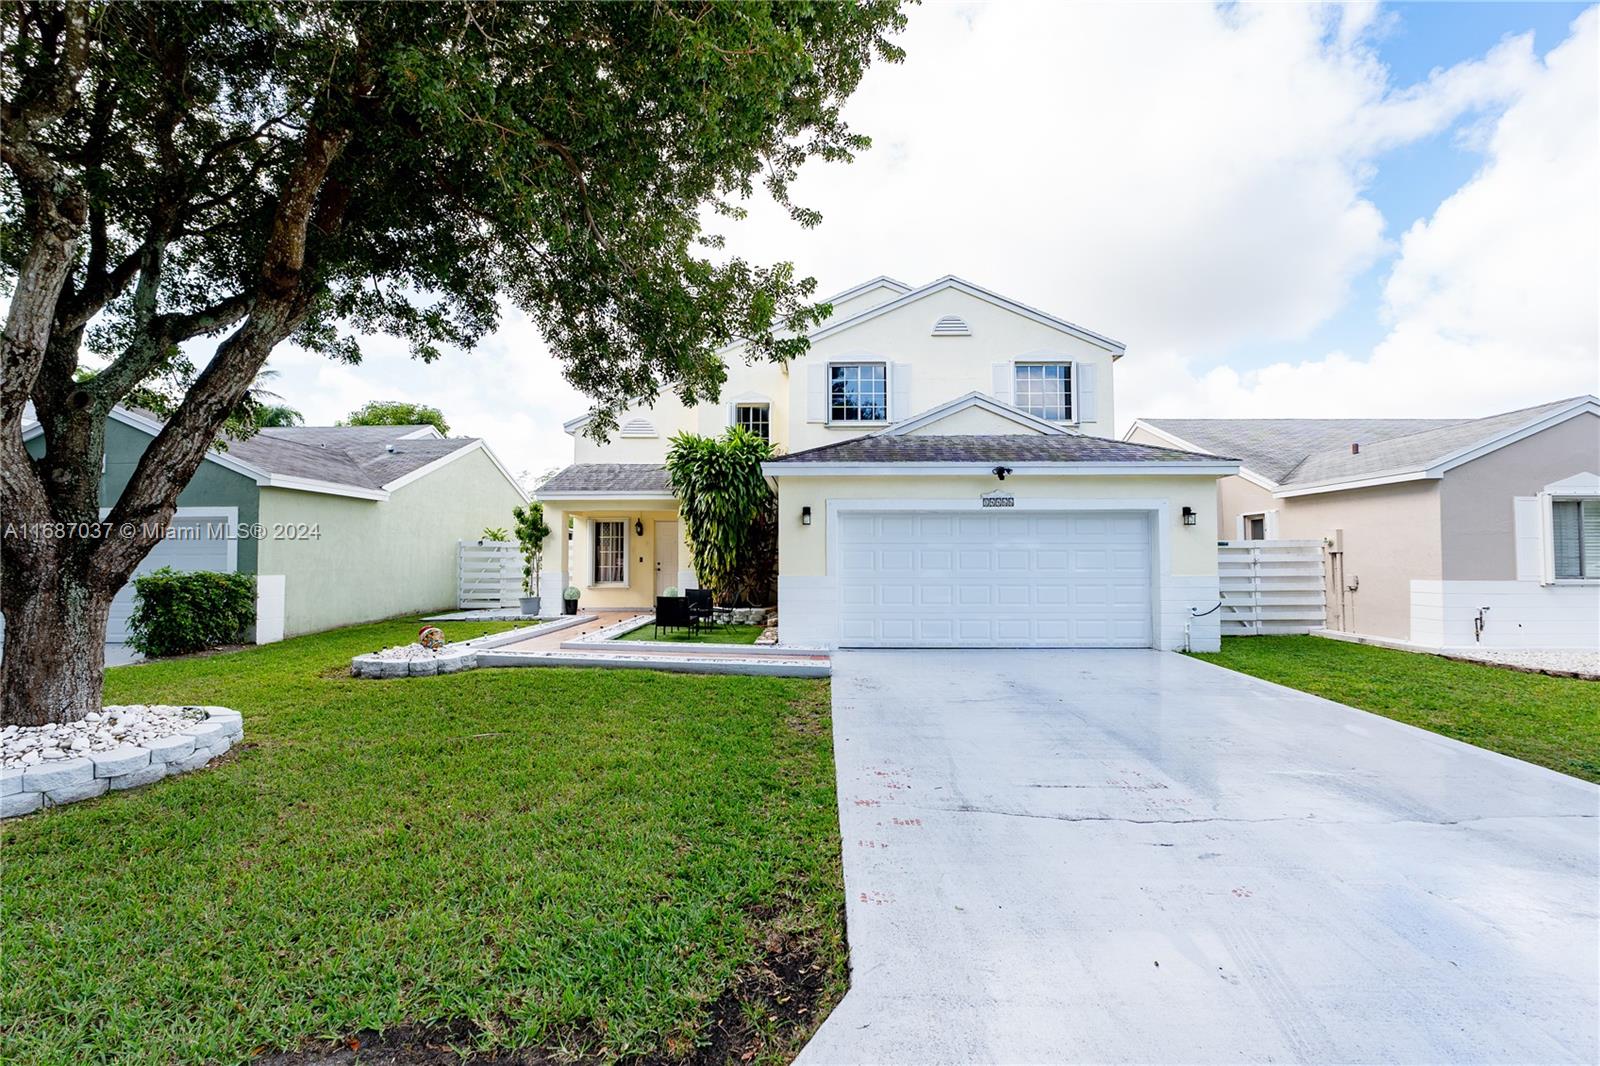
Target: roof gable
x,y
974,414
950,281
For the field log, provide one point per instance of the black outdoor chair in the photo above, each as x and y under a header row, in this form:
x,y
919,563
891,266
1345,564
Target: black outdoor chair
x,y
673,612
700,605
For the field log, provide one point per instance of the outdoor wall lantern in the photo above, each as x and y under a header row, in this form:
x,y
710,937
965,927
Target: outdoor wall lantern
x,y
1189,517
1001,472
638,527
805,516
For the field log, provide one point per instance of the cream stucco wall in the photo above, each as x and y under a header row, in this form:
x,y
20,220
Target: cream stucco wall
x,y
1391,538
973,421
640,588
1479,533
377,559
1235,495
803,550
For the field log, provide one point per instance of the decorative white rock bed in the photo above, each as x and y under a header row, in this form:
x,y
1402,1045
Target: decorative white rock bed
x,y
125,747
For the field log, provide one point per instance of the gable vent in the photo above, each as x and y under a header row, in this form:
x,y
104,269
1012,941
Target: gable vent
x,y
638,427
951,326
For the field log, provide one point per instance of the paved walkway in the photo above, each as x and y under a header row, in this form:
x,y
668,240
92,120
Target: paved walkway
x,y
1139,857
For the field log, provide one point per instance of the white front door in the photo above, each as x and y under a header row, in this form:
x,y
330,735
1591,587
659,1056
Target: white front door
x,y
666,556
1019,579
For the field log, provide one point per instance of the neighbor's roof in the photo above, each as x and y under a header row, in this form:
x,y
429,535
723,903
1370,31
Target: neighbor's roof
x,y
1301,452
620,478
367,457
991,448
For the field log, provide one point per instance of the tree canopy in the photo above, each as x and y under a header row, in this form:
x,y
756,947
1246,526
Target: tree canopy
x,y
189,184
397,413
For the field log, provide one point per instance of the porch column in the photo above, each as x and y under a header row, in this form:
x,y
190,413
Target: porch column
x,y
556,565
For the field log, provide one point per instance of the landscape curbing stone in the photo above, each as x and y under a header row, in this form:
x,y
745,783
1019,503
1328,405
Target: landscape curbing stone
x,y
149,775
25,790
124,759
424,667
95,786
65,773
19,803
171,749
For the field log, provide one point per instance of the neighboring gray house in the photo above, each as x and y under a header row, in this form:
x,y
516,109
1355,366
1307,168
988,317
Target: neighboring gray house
x,y
1440,532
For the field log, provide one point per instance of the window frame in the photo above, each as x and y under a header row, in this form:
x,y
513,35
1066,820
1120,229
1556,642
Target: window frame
x,y
1069,383
833,418
766,417
595,525
1257,516
1583,576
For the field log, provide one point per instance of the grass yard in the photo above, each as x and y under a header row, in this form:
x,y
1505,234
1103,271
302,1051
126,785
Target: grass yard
x,y
613,863
1552,721
709,635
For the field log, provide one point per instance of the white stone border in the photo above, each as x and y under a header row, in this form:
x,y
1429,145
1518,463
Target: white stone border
x,y
25,789
462,655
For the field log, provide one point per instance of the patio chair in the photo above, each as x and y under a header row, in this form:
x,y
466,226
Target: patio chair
x,y
672,612
700,605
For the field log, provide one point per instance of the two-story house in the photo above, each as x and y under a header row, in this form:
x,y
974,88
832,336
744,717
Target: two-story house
x,y
946,477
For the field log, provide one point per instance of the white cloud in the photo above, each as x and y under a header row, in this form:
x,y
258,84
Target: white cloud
x,y
1493,302
1185,178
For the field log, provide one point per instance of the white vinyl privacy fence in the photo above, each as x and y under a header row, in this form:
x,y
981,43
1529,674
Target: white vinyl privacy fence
x,y
1271,586
489,573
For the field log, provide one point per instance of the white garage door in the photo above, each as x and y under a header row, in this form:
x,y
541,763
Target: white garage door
x,y
1018,579
194,543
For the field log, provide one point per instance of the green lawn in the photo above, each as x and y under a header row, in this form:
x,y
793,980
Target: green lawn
x,y
707,635
618,863
1552,721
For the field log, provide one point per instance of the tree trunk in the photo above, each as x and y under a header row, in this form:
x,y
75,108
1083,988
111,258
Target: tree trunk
x,y
54,644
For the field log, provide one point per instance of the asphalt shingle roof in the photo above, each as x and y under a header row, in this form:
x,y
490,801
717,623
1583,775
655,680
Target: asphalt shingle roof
x,y
607,477
1309,451
362,456
990,448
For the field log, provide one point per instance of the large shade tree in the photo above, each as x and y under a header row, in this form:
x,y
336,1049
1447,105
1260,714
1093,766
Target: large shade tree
x,y
189,185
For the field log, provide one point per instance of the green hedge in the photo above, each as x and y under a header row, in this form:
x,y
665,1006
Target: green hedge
x,y
175,613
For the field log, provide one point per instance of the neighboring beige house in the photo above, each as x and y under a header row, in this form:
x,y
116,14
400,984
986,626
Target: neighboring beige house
x,y
338,524
946,478
1439,532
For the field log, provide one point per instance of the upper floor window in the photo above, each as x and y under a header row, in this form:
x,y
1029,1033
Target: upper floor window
x,y
1044,390
1575,527
858,392
754,418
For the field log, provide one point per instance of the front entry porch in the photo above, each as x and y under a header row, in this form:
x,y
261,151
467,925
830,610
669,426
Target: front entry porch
x,y
619,552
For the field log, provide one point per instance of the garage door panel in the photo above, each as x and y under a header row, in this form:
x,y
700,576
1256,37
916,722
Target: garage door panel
x,y
193,543
982,580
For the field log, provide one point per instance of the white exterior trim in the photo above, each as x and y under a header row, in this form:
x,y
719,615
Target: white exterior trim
x,y
153,427
425,433
590,524
605,494
962,403
326,488
950,281
445,460
1259,480
881,281
1355,483
986,469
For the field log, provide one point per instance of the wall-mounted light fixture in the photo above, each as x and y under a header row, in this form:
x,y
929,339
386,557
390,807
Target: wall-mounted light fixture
x,y
1001,472
805,516
1189,517
638,527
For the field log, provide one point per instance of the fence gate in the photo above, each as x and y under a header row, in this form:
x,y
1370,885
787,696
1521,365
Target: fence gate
x,y
1271,586
488,574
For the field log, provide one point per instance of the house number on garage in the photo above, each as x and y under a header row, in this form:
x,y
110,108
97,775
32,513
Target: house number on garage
x,y
999,499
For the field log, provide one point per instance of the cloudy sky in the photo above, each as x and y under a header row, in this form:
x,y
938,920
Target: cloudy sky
x,y
1281,210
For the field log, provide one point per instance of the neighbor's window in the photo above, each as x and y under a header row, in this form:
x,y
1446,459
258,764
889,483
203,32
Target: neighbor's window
x,y
858,392
610,548
1044,390
1255,527
1576,526
755,418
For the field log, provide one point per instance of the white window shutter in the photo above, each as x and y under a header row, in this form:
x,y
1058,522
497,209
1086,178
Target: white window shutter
x,y
817,392
733,415
1083,377
1525,534
1269,525
1002,382
1238,527
899,391
1547,540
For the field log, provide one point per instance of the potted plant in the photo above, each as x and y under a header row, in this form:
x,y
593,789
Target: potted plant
x,y
531,534
569,600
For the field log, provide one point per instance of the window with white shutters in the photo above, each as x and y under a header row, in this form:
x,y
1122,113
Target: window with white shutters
x,y
1044,390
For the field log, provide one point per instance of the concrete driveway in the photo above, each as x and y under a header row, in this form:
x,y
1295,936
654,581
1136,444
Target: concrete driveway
x,y
1132,856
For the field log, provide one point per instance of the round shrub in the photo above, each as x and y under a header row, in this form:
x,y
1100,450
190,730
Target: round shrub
x,y
175,613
